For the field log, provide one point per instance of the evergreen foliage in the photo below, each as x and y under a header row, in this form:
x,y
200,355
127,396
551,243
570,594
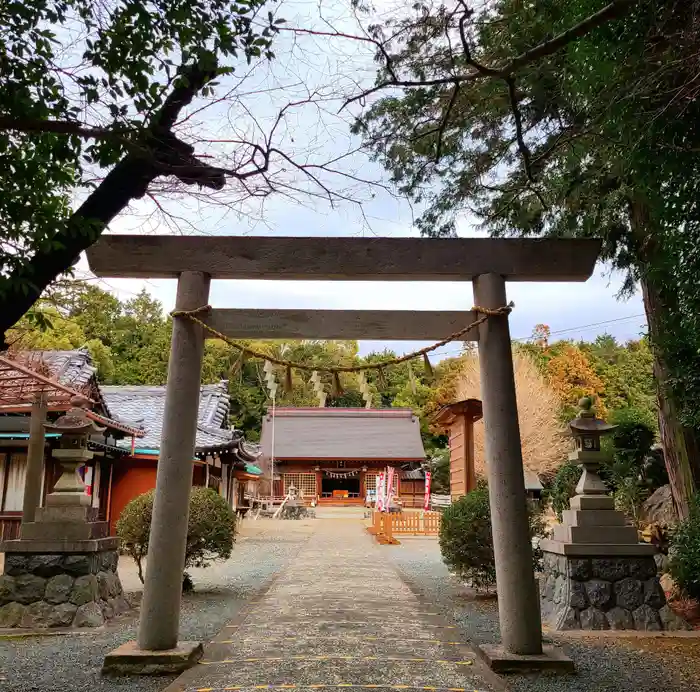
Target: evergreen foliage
x,y
211,528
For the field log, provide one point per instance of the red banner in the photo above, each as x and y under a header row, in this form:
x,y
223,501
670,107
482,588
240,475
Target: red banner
x,y
426,503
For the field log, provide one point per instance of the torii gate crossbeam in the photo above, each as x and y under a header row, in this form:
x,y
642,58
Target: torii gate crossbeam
x,y
489,263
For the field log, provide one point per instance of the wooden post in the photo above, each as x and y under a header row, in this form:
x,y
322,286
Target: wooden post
x,y
518,598
35,459
160,607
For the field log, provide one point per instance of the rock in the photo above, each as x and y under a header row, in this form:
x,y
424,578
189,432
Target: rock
x,y
560,590
653,594
7,589
88,615
646,618
577,595
593,619
84,590
107,610
11,614
46,565
62,615
672,622
103,584
659,508
579,569
77,565
610,569
36,616
58,589
629,593
15,564
642,568
115,586
662,563
29,588
109,561
620,619
599,593
569,620
120,605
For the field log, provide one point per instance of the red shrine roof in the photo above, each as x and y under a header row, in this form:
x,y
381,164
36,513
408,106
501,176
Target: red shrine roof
x,y
355,434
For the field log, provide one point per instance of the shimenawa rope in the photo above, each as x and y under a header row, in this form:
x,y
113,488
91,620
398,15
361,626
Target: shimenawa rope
x,y
423,352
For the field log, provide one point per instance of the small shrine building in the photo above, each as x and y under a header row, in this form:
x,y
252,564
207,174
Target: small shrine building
x,y
334,455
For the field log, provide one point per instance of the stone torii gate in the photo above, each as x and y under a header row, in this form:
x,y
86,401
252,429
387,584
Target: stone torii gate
x,y
194,261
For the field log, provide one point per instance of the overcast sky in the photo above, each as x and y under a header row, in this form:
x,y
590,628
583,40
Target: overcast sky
x,y
317,132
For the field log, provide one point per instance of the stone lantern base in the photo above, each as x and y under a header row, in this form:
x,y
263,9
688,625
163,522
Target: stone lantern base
x,y
595,591
61,572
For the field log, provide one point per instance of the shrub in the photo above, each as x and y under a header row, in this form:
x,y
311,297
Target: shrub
x,y
211,529
685,552
466,542
563,487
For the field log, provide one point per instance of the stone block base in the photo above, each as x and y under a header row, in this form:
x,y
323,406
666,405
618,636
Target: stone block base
x,y
128,659
620,592
43,590
552,660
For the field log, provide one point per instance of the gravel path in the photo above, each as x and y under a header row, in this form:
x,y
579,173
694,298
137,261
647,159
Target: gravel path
x,y
642,664
338,616
73,662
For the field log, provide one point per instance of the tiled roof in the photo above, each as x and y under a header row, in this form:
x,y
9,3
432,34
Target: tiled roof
x,y
337,433
145,406
72,368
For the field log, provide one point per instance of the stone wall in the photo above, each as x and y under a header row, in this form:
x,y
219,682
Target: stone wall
x,y
60,590
604,593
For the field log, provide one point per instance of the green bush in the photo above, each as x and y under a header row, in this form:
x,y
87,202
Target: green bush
x,y
466,542
211,529
685,552
563,487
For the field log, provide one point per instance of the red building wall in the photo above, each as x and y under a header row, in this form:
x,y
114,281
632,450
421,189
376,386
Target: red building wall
x,y
130,479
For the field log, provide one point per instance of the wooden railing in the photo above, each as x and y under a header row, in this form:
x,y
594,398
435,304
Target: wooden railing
x,y
386,526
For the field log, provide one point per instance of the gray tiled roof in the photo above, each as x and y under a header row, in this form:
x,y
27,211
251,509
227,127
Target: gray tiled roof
x,y
335,433
145,405
73,368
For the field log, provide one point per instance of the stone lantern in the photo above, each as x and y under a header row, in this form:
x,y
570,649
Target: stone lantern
x,y
64,565
75,429
596,573
587,429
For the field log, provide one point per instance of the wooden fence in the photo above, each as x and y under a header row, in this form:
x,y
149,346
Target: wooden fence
x,y
386,525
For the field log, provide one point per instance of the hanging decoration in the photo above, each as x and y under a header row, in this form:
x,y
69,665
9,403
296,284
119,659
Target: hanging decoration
x,y
344,474
364,389
428,366
318,388
411,379
334,371
270,380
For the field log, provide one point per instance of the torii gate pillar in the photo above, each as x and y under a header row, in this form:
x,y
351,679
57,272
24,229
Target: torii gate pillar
x,y
518,597
160,607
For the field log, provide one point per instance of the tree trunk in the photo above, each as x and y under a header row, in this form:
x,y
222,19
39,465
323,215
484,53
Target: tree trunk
x,y
680,444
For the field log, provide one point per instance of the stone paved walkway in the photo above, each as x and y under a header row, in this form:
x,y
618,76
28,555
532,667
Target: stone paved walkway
x,y
339,616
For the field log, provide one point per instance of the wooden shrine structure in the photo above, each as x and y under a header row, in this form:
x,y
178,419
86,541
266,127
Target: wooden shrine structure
x,y
458,419
488,263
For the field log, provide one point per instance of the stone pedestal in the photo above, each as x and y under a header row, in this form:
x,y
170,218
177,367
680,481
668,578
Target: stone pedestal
x,y
61,572
597,576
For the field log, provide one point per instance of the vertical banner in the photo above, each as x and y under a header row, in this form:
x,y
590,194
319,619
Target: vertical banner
x,y
390,471
426,503
379,493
